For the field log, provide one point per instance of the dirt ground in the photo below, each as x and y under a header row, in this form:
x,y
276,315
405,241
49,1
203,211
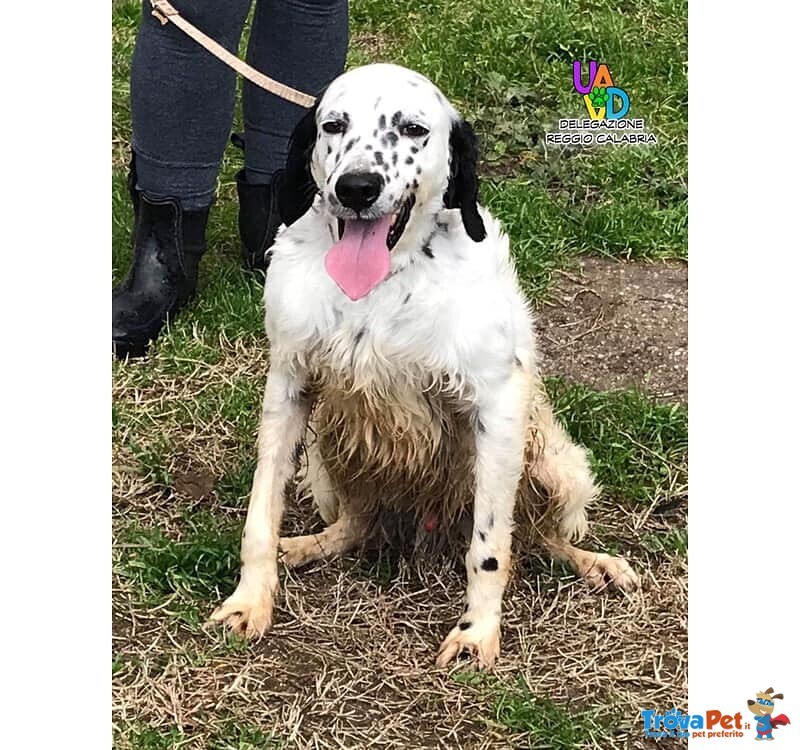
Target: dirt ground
x,y
618,324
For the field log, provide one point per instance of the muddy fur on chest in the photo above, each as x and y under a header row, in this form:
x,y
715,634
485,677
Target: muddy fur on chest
x,y
396,449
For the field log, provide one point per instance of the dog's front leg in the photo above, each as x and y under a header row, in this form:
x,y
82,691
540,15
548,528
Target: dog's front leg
x,y
283,420
500,424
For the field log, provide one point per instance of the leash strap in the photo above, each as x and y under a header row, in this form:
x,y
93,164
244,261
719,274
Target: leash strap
x,y
165,12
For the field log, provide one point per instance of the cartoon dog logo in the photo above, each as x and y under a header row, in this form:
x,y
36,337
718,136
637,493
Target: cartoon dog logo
x,y
762,707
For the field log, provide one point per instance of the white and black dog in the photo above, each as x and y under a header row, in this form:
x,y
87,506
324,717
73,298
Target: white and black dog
x,y
403,353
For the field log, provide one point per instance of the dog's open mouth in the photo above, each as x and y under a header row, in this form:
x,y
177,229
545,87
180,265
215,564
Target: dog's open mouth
x,y
360,260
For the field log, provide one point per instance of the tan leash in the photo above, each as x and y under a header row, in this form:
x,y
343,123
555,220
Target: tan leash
x,y
165,12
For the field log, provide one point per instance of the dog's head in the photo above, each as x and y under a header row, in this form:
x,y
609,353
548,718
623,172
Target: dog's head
x,y
383,148
764,704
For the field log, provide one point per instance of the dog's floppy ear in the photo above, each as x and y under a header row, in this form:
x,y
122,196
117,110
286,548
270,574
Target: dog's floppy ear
x,y
296,186
462,188
777,695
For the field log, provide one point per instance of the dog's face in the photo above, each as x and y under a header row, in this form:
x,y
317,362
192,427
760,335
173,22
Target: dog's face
x,y
764,704
383,148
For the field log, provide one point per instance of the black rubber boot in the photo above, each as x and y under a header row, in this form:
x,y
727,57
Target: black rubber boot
x,y
258,216
258,220
168,245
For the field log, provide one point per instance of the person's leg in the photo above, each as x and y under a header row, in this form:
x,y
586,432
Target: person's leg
x,y
302,43
182,101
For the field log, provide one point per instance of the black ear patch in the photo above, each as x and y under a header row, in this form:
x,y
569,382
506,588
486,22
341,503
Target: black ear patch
x,y
296,186
462,188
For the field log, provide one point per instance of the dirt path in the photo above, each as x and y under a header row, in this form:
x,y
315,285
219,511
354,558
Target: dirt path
x,y
618,324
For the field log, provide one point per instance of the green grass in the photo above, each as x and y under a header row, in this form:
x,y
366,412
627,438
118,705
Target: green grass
x,y
196,567
231,737
545,725
638,447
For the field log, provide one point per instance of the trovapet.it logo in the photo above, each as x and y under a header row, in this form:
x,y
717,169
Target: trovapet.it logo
x,y
676,724
607,105
713,724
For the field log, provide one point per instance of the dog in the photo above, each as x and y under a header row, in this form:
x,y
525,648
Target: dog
x,y
762,708
403,357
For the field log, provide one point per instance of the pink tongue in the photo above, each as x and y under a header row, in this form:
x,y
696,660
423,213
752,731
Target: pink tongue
x,y
360,260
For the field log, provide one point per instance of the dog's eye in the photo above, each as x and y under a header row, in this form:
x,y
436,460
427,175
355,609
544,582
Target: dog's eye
x,y
334,127
413,130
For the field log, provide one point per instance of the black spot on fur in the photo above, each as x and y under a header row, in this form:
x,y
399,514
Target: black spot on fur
x,y
408,297
415,184
346,117
350,144
394,157
360,335
517,361
379,157
382,122
474,568
414,149
408,185
482,535
464,625
438,96
427,251
385,167
396,117
491,521
329,149
409,160
419,170
490,564
375,133
425,142
392,138
368,147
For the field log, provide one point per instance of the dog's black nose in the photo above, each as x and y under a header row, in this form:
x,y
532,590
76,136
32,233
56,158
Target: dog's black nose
x,y
359,190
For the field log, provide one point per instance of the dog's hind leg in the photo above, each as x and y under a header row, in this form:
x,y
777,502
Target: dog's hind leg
x,y
597,568
317,482
340,537
560,467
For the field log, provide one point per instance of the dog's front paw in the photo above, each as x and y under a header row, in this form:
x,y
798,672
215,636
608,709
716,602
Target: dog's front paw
x,y
601,571
479,639
248,611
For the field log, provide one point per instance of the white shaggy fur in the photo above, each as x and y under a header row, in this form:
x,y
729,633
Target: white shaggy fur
x,y
448,334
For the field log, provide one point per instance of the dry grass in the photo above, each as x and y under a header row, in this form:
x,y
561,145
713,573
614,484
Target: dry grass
x,y
349,663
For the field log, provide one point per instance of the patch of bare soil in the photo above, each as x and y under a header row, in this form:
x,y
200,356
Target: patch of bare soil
x,y
349,663
619,324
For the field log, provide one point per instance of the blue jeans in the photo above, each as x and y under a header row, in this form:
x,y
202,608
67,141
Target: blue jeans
x,y
183,98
